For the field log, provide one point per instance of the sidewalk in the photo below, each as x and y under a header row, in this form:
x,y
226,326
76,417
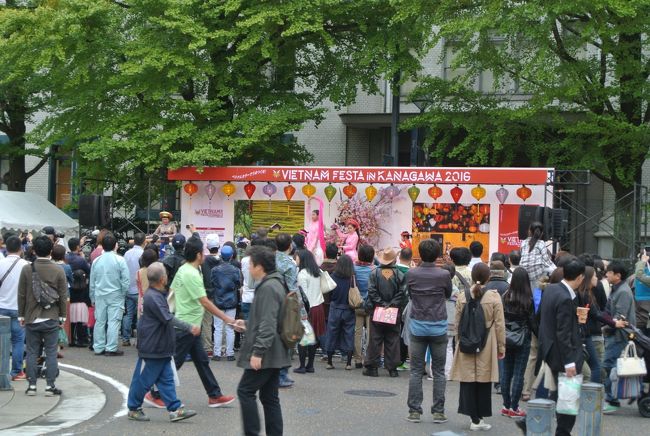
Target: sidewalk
x,y
16,408
20,414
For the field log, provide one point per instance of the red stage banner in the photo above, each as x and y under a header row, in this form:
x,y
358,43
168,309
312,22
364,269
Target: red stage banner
x,y
508,228
486,176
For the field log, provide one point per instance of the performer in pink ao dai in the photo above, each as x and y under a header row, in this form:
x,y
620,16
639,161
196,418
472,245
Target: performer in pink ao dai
x,y
315,239
350,238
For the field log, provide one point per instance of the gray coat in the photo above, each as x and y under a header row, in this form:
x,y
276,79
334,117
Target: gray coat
x,y
621,302
262,337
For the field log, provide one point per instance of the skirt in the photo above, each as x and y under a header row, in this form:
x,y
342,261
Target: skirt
x,y
475,399
317,320
79,312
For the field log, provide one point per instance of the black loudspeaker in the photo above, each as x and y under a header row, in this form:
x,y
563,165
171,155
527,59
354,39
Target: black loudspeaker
x,y
526,216
560,223
94,210
529,214
104,211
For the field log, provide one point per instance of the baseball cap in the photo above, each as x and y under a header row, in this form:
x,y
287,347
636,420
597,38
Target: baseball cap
x,y
226,252
212,241
48,230
178,241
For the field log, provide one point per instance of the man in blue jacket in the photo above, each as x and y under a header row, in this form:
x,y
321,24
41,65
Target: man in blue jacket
x,y
156,344
226,281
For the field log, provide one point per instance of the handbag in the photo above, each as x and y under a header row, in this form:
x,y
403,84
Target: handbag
x,y
63,338
515,333
327,283
625,387
354,296
385,315
630,364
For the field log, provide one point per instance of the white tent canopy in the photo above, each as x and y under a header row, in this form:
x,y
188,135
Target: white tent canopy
x,y
30,212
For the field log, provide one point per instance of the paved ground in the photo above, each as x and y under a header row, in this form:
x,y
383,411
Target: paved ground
x,y
317,405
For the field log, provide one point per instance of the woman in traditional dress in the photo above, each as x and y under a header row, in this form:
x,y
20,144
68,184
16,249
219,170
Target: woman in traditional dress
x,y
349,240
315,239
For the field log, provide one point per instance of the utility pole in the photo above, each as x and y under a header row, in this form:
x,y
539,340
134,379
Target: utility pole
x,y
394,124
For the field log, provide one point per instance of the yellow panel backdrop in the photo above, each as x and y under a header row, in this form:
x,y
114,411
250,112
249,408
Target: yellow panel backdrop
x,y
289,214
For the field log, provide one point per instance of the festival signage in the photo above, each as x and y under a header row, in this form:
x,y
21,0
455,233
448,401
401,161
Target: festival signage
x,y
508,228
518,176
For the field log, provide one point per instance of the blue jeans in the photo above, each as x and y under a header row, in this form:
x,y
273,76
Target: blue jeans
x,y
514,368
245,310
131,302
17,341
418,347
158,372
613,348
593,360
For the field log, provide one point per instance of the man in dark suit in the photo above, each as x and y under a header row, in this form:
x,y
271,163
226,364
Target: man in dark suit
x,y
559,341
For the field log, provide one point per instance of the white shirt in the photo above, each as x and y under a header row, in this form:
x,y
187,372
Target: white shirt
x,y
311,286
9,289
248,288
473,262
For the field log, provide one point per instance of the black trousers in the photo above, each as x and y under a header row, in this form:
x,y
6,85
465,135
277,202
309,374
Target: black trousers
x,y
565,423
388,335
186,343
266,381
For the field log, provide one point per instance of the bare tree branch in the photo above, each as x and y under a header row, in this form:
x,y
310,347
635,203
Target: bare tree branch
x,y
38,166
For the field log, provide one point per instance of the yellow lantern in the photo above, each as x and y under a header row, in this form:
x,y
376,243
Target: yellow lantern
x,y
478,192
371,192
308,190
228,189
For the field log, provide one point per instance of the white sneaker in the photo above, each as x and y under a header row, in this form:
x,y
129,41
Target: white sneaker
x,y
481,426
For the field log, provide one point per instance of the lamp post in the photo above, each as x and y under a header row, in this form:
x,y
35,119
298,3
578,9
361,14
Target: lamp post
x,y
422,105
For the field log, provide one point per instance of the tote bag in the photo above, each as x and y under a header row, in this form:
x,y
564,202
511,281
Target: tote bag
x,y
630,364
354,296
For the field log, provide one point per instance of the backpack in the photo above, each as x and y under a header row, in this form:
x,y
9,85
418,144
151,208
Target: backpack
x,y
79,280
472,331
44,294
291,328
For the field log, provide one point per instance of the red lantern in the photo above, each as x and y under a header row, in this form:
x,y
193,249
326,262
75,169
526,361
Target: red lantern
x,y
524,192
435,192
456,193
191,188
289,190
249,189
350,190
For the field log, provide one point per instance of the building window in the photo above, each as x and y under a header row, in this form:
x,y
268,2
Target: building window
x,y
484,81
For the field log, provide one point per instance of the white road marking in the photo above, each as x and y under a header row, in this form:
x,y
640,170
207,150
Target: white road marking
x,y
121,388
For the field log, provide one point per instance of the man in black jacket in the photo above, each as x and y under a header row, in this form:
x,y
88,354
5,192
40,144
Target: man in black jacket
x,y
560,345
386,288
156,343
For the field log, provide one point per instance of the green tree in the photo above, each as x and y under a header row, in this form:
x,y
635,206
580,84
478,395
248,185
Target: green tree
x,y
583,69
167,83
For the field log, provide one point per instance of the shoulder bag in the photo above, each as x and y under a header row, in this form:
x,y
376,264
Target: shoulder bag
x,y
354,296
327,284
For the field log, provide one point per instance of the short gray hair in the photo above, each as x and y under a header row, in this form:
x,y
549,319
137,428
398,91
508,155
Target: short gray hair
x,y
155,272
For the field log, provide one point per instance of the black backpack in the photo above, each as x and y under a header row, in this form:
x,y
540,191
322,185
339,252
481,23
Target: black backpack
x,y
472,331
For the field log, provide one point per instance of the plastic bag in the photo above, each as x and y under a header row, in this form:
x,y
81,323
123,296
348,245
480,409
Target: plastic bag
x,y
63,338
568,394
309,338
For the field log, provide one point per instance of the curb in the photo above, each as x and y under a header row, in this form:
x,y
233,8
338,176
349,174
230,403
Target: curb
x,y
81,400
